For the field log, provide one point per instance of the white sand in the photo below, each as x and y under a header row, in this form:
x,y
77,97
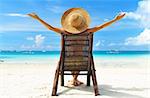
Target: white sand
x,y
117,78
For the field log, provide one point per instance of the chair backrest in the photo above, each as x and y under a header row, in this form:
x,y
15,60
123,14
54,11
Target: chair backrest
x,y
77,51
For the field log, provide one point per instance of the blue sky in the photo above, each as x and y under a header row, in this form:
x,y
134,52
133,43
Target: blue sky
x,y
20,32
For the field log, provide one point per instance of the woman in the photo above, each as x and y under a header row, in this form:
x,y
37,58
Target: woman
x,y
75,21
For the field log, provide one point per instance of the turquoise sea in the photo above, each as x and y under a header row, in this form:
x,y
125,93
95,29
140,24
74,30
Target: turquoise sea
x,y
13,55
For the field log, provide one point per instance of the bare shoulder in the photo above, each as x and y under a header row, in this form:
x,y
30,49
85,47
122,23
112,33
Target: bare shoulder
x,y
91,30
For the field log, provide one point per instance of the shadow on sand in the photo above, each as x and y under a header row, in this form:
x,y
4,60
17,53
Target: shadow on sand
x,y
106,90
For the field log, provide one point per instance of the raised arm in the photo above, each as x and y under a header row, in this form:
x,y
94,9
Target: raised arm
x,y
34,16
92,30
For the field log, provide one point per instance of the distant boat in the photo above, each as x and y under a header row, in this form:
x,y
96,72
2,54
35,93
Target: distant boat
x,y
113,52
28,52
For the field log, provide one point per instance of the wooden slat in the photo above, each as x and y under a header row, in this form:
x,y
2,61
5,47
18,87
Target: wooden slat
x,y
77,34
76,48
75,68
75,63
76,53
76,59
76,38
77,45
84,42
75,73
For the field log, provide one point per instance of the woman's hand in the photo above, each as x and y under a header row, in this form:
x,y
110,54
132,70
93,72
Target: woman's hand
x,y
33,15
121,15
118,17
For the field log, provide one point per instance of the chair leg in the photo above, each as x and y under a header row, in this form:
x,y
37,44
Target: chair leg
x,y
88,79
55,84
62,79
95,83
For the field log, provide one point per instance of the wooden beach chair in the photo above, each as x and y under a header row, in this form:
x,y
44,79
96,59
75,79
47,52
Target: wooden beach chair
x,y
76,55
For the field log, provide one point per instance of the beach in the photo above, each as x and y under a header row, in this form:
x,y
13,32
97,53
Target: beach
x,y
117,77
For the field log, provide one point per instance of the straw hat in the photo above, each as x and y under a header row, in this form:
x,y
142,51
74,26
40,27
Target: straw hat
x,y
75,20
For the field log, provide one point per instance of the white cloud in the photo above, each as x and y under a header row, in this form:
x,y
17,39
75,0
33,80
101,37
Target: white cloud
x,y
16,15
39,39
98,43
30,38
142,14
142,39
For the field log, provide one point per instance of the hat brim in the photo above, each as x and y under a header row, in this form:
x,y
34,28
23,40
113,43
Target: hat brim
x,y
69,28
